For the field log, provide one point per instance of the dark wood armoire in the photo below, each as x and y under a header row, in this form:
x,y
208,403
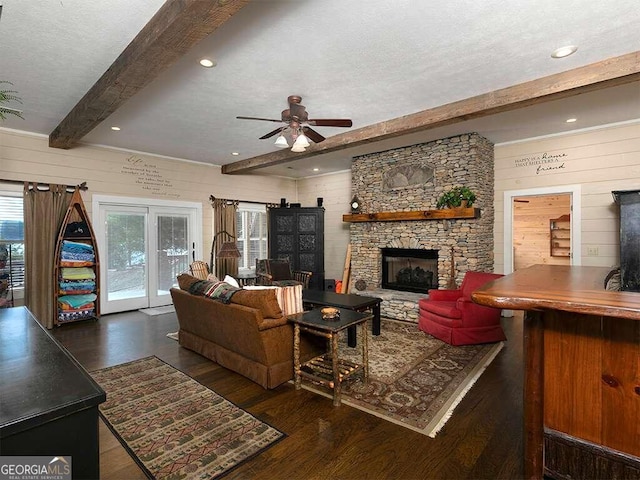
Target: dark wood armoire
x,y
629,201
297,235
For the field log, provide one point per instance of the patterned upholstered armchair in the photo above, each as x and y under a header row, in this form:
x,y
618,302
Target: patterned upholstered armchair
x,y
278,272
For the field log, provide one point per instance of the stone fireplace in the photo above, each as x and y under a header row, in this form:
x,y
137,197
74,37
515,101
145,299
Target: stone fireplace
x,y
411,179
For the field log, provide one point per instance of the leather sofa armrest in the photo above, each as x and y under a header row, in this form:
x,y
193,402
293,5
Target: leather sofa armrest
x,y
444,295
267,323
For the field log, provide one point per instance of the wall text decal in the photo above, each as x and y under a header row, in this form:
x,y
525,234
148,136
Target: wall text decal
x,y
148,177
543,163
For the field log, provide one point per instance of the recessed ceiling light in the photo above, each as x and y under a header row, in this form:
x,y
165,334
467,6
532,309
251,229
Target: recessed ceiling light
x,y
117,129
207,63
571,120
316,169
564,51
235,154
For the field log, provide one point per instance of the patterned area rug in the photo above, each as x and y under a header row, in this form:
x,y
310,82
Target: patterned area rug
x,y
175,427
415,380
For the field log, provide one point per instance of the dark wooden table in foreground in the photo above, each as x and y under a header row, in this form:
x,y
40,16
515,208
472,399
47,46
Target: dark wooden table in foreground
x,y
350,301
582,370
49,403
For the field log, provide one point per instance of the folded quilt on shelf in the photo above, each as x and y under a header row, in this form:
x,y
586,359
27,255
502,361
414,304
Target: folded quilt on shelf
x,y
82,257
75,263
76,247
69,302
81,273
76,287
72,315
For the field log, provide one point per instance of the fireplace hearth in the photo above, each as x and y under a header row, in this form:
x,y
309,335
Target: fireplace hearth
x,y
409,269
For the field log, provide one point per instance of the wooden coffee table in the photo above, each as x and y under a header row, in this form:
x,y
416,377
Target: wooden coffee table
x,y
350,301
328,369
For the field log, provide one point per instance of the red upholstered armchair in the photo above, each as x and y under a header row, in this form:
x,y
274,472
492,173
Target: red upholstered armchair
x,y
451,315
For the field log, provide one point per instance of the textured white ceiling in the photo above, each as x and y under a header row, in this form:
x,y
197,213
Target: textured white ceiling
x,y
365,60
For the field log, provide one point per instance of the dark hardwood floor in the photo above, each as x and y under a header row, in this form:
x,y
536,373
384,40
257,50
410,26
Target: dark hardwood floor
x,y
482,440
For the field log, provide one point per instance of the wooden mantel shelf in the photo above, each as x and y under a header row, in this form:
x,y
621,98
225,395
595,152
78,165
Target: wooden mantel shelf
x,y
444,214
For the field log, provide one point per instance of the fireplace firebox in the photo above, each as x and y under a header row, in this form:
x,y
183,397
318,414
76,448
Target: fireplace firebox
x,y
409,269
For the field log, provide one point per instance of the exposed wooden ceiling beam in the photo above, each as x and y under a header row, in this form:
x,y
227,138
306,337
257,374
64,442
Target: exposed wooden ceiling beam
x,y
174,29
607,73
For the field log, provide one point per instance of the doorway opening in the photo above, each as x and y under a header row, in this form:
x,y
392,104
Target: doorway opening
x,y
144,245
542,226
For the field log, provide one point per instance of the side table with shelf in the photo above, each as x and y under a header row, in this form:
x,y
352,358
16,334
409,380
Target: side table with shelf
x,y
328,369
560,236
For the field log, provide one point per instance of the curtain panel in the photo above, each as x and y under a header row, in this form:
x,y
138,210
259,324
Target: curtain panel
x,y
44,211
224,220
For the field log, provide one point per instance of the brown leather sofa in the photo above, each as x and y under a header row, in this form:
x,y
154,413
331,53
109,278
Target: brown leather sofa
x,y
249,335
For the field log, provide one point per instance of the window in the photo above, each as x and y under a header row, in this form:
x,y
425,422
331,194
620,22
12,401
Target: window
x,y
11,243
251,226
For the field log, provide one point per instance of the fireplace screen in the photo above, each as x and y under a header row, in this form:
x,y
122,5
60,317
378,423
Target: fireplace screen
x,y
409,270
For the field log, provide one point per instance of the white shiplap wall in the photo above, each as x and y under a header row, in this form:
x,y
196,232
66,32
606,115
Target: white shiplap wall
x,y
598,160
335,190
25,156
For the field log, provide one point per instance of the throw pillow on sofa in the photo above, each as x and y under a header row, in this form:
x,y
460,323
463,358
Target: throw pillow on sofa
x,y
231,281
221,291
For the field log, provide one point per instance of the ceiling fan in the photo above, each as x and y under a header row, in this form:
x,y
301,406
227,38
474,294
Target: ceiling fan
x,y
297,122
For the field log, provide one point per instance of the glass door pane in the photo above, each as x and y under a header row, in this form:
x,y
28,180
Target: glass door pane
x,y
125,282
172,246
143,248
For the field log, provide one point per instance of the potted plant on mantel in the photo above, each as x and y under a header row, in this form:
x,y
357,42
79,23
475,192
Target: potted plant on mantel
x,y
8,96
456,197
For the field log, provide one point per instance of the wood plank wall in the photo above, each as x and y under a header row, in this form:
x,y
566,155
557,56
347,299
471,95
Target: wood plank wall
x,y
531,235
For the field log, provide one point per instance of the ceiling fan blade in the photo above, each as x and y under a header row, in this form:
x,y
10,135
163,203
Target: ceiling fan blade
x,y
271,134
257,118
330,122
313,135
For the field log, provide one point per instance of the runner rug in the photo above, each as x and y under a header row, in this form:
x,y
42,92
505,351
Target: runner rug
x,y
415,380
175,427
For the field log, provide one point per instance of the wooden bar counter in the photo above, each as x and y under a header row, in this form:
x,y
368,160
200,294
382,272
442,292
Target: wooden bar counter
x,y
582,370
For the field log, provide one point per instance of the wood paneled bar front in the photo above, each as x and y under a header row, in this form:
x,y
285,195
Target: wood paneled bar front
x,y
582,370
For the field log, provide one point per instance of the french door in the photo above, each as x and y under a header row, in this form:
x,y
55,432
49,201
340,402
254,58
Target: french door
x,y
143,248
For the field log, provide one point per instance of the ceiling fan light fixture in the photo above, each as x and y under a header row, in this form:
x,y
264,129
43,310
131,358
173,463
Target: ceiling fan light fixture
x,y
297,148
302,141
281,142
